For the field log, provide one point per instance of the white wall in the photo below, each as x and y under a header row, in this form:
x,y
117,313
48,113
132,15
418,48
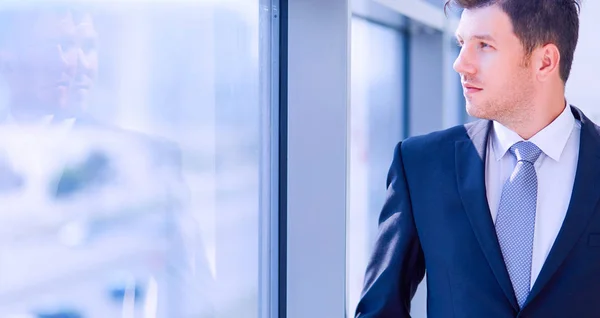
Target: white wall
x,y
583,86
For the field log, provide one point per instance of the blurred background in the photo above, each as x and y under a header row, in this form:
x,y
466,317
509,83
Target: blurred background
x,y
176,158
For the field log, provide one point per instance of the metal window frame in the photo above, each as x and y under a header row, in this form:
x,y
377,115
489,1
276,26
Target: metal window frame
x,y
318,63
433,17
272,175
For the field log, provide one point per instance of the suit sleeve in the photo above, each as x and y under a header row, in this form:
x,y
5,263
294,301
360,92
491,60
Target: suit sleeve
x,y
397,263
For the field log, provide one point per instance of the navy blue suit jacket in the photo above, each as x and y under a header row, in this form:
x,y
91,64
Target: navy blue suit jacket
x,y
436,217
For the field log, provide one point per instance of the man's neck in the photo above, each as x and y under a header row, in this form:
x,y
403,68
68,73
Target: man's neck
x,y
537,119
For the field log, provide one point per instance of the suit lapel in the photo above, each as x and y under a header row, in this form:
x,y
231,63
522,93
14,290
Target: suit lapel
x,y
470,174
584,199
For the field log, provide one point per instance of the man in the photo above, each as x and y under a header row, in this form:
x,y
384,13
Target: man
x,y
117,192
501,213
37,62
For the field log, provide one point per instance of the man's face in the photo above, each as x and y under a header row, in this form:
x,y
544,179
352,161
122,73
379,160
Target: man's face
x,y
52,52
85,50
497,79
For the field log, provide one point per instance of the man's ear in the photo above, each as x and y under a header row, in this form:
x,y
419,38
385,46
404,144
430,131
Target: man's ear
x,y
548,61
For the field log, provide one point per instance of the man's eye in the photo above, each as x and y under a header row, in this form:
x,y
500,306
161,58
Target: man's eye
x,y
484,45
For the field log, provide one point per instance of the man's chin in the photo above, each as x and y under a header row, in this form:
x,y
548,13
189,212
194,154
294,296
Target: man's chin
x,y
477,111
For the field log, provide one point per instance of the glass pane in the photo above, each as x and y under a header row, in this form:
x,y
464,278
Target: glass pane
x,y
376,126
130,151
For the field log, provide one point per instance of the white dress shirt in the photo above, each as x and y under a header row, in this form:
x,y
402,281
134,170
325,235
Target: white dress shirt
x,y
555,170
35,150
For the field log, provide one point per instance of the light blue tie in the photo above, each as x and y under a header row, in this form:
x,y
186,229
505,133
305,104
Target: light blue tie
x,y
515,221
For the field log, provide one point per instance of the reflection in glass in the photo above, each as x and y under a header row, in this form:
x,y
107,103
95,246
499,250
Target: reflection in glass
x,y
129,146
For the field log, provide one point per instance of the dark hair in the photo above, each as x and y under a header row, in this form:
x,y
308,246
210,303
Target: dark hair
x,y
539,22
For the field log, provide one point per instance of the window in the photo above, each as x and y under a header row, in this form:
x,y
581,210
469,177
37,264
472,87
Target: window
x,y
377,116
134,158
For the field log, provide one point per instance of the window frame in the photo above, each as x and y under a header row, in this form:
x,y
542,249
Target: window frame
x,y
317,74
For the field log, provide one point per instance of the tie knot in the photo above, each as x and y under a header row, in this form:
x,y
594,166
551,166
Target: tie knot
x,y
526,151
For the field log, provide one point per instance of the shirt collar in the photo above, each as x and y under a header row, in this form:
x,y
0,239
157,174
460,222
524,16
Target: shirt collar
x,y
551,140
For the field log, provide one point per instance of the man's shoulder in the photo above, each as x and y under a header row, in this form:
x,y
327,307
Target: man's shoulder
x,y
440,139
161,149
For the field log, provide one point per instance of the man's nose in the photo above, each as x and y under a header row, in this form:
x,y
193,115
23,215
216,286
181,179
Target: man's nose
x,y
82,60
67,61
464,63
83,66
